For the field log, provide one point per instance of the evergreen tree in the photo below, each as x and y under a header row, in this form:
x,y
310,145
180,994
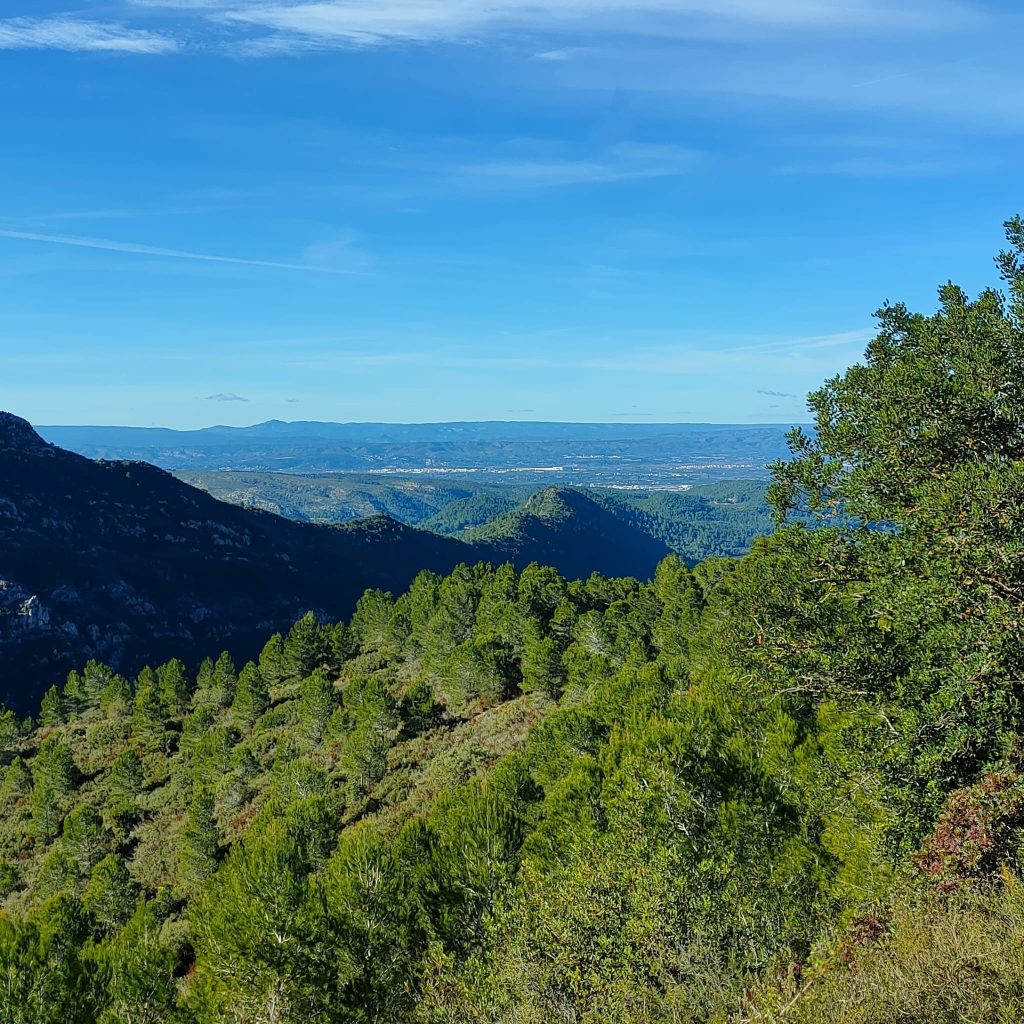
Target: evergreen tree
x,y
680,602
272,661
139,968
542,667
126,775
225,679
85,839
10,731
53,777
74,696
17,781
51,708
111,894
305,647
341,644
126,780
200,839
95,679
175,687
371,620
374,721
116,696
148,729
315,705
252,696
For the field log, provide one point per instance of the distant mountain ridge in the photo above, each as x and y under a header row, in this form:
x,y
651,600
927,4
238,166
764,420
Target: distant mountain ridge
x,y
489,430
561,453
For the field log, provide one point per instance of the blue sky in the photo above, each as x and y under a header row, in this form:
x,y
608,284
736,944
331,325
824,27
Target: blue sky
x,y
656,210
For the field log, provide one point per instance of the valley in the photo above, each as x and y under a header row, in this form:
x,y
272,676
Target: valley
x,y
122,562
656,455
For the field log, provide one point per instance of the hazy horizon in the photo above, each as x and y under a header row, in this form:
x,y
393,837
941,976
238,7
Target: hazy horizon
x,y
419,423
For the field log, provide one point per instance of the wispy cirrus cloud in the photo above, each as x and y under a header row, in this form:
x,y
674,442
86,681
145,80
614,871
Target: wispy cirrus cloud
x,y
264,27
625,161
134,249
75,34
379,22
825,53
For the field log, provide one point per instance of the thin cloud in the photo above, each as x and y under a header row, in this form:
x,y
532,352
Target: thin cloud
x,y
226,396
73,34
563,54
325,23
625,161
776,394
134,249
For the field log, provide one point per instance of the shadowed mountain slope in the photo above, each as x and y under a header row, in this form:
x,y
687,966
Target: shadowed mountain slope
x,y
570,530
122,562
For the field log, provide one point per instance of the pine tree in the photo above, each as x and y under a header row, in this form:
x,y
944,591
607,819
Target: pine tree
x,y
17,781
110,895
252,696
10,730
95,679
126,781
148,729
45,805
341,644
200,839
271,663
305,647
53,777
74,694
175,687
116,696
225,679
371,619
51,708
542,666
315,705
126,777
139,968
85,840
681,601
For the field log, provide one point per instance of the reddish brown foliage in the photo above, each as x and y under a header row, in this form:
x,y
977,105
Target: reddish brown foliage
x,y
976,832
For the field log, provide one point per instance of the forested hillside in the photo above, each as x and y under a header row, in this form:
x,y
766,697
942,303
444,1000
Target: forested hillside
x,y
785,787
565,527
706,519
122,562
339,497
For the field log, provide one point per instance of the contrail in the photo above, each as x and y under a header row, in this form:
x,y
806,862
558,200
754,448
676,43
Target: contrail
x,y
152,250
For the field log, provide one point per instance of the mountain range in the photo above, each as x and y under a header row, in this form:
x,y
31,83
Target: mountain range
x,y
122,562
535,453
